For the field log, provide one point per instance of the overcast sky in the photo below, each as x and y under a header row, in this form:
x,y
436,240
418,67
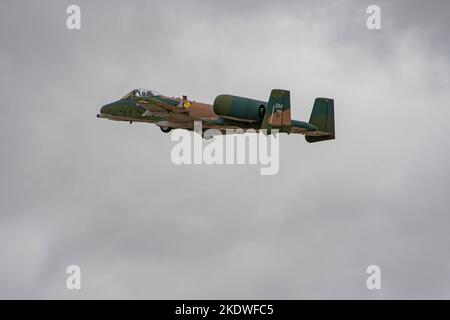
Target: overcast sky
x,y
105,195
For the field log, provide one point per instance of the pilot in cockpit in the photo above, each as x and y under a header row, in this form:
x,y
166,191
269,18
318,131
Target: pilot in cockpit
x,y
141,93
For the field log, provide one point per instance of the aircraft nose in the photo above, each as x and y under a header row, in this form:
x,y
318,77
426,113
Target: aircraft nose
x,y
106,109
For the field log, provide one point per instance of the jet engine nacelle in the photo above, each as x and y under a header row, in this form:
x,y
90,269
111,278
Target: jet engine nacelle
x,y
239,108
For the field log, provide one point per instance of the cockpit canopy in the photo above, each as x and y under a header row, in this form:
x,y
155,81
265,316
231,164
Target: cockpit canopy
x,y
141,93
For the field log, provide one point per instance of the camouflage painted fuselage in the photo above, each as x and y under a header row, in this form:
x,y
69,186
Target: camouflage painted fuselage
x,y
227,112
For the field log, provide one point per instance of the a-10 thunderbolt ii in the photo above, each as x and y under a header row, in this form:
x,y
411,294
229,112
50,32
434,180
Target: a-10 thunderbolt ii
x,y
227,112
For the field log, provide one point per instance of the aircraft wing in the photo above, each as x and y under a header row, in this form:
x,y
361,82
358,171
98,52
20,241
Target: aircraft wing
x,y
176,113
161,104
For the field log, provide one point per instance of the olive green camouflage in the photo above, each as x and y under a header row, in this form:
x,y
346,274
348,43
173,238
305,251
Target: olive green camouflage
x,y
227,112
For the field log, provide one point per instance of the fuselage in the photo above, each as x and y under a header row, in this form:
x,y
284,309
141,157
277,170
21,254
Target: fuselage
x,y
227,112
150,108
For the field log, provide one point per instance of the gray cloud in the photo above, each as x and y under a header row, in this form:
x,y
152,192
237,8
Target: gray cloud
x,y
105,195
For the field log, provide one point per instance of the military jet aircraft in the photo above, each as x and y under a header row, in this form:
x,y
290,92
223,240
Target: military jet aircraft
x,y
227,112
